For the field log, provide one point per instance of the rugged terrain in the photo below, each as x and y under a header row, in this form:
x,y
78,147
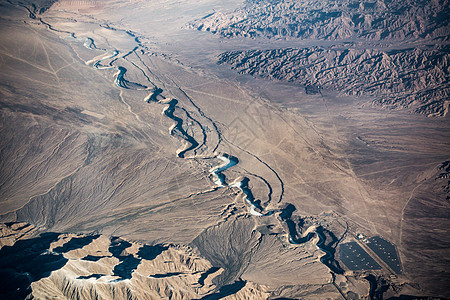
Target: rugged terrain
x,y
69,266
412,79
132,165
395,51
332,20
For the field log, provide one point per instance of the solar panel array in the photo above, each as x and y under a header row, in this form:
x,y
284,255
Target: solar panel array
x,y
386,251
355,258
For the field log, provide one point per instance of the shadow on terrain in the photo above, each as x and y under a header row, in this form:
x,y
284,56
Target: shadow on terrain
x,y
27,261
226,290
205,275
151,252
76,243
166,275
127,262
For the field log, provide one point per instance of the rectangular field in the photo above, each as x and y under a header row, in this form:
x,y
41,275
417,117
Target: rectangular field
x,y
355,258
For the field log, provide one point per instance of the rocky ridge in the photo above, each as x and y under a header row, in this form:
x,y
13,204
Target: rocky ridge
x,y
416,79
90,266
395,51
332,20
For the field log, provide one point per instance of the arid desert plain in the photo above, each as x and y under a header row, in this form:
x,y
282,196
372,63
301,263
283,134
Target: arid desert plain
x,y
241,149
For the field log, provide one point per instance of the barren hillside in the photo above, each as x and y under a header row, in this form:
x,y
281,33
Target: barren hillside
x,y
415,79
332,20
133,166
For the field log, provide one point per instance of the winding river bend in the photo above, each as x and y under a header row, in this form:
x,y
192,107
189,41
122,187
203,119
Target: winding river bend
x,y
228,161
218,177
178,125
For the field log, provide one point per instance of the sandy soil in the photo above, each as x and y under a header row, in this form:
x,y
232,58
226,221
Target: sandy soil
x,y
112,119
